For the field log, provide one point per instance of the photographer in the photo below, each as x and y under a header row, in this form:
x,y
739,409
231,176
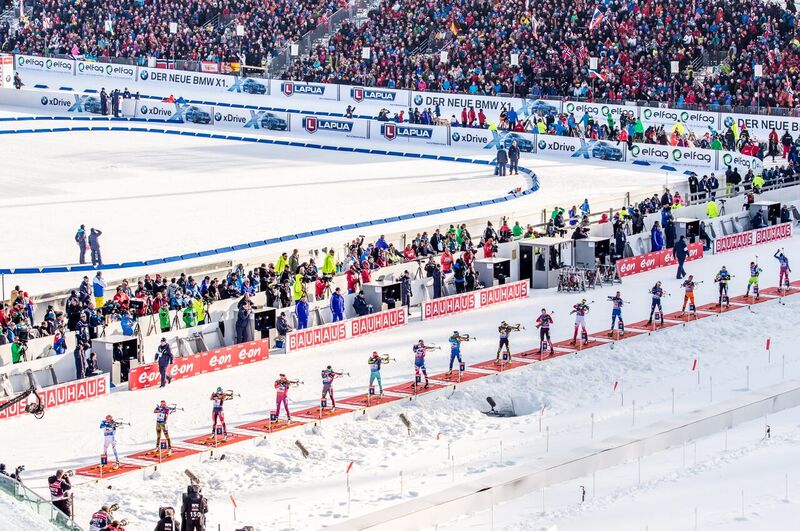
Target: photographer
x,y
167,520
100,519
194,509
61,491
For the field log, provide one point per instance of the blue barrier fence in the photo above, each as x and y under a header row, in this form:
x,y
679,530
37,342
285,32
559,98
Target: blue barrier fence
x,y
533,186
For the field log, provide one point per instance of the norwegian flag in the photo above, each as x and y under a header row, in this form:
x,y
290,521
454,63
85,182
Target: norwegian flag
x,y
567,54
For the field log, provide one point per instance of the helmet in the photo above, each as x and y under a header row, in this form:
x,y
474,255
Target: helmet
x,y
219,389
583,301
329,367
723,267
503,323
658,283
109,417
752,263
455,332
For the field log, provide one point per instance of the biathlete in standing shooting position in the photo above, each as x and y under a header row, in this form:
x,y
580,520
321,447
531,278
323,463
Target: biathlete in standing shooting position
x,y
162,412
616,313
723,277
783,277
455,349
755,272
419,361
219,397
543,323
580,310
688,286
328,375
505,330
109,427
375,362
282,385
657,292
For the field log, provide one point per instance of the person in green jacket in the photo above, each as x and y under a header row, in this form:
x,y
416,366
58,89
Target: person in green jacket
x,y
329,264
758,182
189,317
283,261
517,230
17,351
638,129
163,319
711,209
299,288
716,144
199,310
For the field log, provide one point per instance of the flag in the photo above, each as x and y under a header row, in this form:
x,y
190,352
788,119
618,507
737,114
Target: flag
x,y
597,19
595,73
453,28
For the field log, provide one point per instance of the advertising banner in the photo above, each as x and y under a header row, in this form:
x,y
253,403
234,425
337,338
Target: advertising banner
x,y
650,261
145,376
375,97
697,121
63,394
183,78
599,111
452,104
251,119
656,154
106,70
300,90
242,85
45,64
332,332
759,126
742,162
175,112
408,133
473,300
752,237
323,126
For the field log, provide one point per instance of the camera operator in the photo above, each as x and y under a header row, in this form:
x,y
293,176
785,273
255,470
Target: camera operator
x,y
61,491
194,509
167,520
100,519
81,346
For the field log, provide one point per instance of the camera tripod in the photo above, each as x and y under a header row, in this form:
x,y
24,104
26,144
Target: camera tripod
x,y
420,273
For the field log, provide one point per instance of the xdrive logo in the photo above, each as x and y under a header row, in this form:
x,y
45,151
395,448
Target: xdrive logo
x,y
360,94
469,137
391,131
289,88
229,118
177,116
312,124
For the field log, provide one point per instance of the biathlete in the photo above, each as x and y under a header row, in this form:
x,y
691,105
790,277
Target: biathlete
x,y
162,412
657,292
218,398
419,361
580,310
688,297
755,272
616,313
375,361
282,385
783,277
328,375
455,349
504,330
723,277
543,323
109,427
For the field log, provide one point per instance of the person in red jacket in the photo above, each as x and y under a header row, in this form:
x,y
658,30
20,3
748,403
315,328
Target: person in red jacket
x,y
352,280
464,117
472,117
447,261
366,274
489,248
121,298
409,253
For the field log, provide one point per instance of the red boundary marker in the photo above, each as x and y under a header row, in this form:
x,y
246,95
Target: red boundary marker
x,y
106,471
152,456
315,413
265,426
366,400
208,440
408,388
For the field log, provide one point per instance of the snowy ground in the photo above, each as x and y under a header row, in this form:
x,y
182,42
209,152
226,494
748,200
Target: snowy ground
x,y
273,484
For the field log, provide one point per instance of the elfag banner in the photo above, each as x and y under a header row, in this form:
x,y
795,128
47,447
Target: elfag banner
x,y
463,302
62,394
650,261
332,332
752,237
148,375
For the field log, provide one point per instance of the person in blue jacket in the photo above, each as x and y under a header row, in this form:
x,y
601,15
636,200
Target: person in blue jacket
x,y
301,310
337,305
656,238
127,322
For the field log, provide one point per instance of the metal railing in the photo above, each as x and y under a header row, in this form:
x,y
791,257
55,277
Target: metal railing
x,y
741,189
37,504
